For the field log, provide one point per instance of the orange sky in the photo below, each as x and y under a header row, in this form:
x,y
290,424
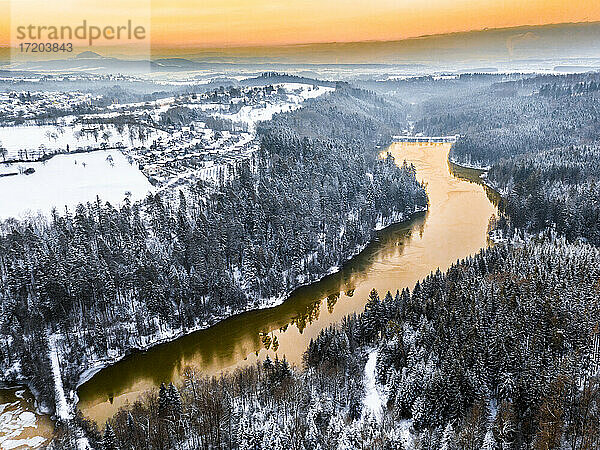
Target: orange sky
x,y
235,22
214,23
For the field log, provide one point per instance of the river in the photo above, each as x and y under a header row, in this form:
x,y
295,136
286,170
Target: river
x,y
454,227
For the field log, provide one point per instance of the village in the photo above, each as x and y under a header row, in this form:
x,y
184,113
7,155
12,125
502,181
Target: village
x,y
173,140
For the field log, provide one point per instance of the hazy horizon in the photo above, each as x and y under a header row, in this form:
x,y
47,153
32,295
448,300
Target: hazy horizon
x,y
552,44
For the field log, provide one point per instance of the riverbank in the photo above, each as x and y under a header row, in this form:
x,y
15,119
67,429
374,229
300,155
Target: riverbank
x,y
468,165
168,336
66,402
478,176
483,175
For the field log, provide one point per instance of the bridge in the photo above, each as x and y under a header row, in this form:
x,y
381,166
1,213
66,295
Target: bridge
x,y
427,139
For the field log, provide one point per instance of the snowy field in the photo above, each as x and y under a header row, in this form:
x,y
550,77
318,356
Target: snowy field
x,y
298,93
66,180
31,137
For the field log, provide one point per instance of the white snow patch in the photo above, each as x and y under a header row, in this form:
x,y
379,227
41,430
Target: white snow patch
x,y
374,399
406,434
83,444
62,408
33,442
298,93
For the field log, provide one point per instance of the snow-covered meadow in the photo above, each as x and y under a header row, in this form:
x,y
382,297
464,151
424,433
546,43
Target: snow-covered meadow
x,y
31,141
297,93
66,180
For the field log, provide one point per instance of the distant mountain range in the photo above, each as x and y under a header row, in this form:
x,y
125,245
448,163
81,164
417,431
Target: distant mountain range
x,y
572,47
88,55
500,44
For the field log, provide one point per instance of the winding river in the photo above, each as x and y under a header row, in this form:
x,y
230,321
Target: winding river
x,y
454,227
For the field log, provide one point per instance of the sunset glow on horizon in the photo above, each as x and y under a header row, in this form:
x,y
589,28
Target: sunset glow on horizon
x,y
215,23
228,23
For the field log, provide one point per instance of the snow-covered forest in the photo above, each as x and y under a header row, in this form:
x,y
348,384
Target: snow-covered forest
x,y
500,352
103,279
553,188
508,118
